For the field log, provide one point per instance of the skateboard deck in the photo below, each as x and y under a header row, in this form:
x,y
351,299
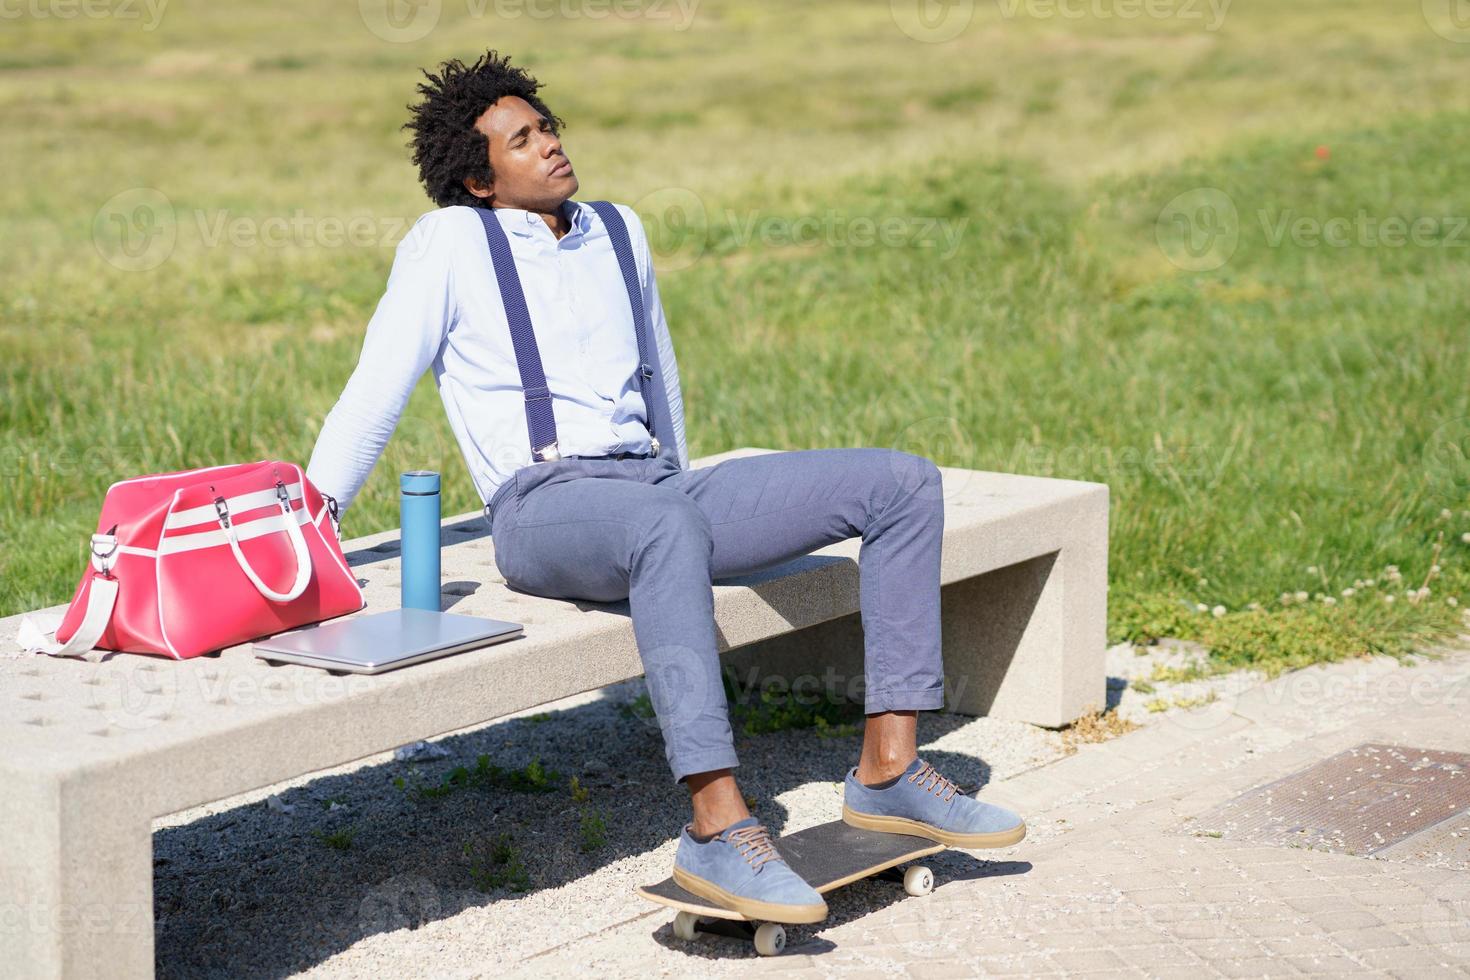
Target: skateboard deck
x,y
827,856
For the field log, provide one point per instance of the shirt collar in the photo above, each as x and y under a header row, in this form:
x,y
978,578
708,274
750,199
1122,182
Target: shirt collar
x,y
519,221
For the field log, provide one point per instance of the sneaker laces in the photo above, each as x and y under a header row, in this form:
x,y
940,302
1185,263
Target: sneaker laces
x,y
754,842
929,778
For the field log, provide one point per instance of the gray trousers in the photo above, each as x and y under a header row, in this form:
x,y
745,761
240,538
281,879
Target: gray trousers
x,y
643,530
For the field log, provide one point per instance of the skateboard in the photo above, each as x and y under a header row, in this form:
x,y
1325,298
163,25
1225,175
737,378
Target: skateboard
x,y
828,856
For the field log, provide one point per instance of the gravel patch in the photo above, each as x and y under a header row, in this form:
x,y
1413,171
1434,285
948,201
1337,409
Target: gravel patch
x,y
352,872
253,885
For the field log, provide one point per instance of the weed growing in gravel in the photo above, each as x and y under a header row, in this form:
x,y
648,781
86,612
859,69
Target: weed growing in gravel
x,y
337,840
773,712
593,831
497,865
532,778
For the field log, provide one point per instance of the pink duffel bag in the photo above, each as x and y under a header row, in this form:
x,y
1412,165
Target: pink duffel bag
x,y
189,562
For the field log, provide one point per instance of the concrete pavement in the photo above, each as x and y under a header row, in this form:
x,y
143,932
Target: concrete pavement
x,y
1118,877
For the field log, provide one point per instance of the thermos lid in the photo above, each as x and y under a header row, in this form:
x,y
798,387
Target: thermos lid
x,y
419,481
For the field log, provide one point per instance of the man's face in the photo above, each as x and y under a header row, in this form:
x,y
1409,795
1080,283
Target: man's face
x,y
531,170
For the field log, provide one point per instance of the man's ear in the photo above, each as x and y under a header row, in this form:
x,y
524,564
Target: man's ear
x,y
479,188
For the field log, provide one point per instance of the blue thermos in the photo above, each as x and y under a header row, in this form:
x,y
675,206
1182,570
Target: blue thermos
x,y
418,509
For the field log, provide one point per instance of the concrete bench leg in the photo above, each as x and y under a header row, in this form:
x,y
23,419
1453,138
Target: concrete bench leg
x,y
76,880
1025,642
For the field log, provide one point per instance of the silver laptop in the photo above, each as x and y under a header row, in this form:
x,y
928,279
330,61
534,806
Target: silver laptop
x,y
384,641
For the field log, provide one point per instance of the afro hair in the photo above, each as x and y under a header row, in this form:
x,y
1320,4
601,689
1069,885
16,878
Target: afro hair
x,y
446,146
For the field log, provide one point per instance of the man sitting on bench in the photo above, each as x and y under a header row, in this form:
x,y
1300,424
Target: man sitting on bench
x,y
541,319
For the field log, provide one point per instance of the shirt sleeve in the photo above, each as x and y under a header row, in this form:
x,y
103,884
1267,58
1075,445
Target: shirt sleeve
x,y
654,310
403,338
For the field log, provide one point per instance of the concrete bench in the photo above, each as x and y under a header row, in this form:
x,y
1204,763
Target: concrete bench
x,y
90,753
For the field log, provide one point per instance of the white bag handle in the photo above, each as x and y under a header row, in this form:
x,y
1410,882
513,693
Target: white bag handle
x,y
298,543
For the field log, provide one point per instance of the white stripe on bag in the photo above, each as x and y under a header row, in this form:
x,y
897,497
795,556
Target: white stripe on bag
x,y
238,505
217,537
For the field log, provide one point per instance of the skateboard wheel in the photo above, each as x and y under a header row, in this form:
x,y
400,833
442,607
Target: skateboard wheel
x,y
770,938
918,880
684,924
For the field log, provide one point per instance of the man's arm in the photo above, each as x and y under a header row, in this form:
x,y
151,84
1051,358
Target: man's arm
x,y
403,338
655,312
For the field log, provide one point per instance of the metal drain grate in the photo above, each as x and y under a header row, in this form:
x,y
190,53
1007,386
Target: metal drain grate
x,y
1360,801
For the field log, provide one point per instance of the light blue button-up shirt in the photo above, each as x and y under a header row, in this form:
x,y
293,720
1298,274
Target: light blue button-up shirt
x,y
442,309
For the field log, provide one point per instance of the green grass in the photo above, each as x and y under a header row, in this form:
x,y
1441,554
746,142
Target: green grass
x,y
530,778
1299,406
338,840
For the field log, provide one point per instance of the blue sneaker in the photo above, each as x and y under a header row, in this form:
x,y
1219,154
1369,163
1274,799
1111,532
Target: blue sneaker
x,y
741,869
925,804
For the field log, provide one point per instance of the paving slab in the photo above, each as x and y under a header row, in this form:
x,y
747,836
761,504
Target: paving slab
x,y
1120,876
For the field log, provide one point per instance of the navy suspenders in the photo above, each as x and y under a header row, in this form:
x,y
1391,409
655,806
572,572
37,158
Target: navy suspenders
x,y
540,422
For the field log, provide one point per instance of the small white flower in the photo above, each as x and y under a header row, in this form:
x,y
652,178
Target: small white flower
x,y
1286,598
1201,607
1327,600
1388,598
1390,568
1446,514
1423,592
1349,593
1301,597
1452,600
1311,569
1433,569
1465,537
1254,607
1370,583
1203,582
1218,611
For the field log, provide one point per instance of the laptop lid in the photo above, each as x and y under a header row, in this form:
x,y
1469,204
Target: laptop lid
x,y
385,640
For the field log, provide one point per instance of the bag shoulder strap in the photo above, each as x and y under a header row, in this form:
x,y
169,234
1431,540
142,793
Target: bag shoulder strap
x,y
101,600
